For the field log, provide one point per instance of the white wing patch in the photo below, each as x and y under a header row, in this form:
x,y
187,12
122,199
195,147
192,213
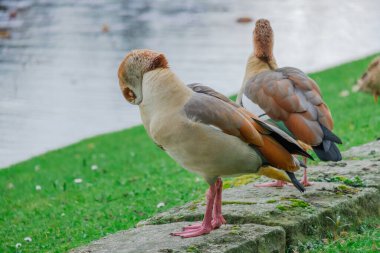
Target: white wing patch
x,y
251,107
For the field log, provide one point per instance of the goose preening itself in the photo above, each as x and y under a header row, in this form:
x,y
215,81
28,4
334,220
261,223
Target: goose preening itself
x,y
204,131
370,80
288,97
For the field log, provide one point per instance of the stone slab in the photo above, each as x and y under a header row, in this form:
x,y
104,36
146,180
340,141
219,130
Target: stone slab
x,y
368,150
301,215
229,238
367,171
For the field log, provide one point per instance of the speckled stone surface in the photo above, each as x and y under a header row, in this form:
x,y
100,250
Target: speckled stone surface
x,y
301,215
229,238
369,150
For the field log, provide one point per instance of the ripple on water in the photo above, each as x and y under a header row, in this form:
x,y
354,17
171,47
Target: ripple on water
x,y
58,68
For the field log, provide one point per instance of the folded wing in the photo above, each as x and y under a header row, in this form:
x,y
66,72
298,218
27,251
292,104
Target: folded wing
x,y
289,95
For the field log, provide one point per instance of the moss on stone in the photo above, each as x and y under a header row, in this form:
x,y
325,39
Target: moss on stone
x,y
192,206
283,207
235,230
298,203
227,202
344,189
239,181
197,201
271,201
354,181
292,203
193,249
165,220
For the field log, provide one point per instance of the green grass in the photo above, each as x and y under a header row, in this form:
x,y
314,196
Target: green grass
x,y
133,176
362,239
356,117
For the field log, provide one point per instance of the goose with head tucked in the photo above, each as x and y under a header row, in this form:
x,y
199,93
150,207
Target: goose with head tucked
x,y
204,131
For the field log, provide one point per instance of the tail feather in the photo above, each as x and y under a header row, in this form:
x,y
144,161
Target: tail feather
x,y
284,139
332,154
327,150
295,182
328,135
326,144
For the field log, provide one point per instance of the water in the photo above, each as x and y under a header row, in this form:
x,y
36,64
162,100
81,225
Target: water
x,y
58,80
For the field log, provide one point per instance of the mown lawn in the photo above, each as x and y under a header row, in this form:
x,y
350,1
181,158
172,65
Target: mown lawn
x,y
110,182
362,239
356,117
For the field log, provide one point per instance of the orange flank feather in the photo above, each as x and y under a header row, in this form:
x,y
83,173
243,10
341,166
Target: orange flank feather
x,y
325,116
274,152
277,155
303,129
250,134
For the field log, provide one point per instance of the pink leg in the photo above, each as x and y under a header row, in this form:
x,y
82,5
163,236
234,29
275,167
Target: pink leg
x,y
304,180
206,225
277,183
218,218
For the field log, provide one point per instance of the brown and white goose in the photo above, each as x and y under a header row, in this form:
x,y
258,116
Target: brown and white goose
x,y
204,131
288,97
370,80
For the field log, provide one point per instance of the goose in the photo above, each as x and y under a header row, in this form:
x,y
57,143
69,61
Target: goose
x,y
204,131
288,97
370,80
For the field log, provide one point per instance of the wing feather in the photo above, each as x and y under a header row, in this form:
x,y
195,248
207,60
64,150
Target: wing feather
x,y
286,142
289,95
211,110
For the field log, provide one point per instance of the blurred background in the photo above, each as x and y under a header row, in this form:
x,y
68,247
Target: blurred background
x,y
58,58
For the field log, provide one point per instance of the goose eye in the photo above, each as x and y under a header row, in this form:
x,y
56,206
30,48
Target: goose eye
x,y
129,94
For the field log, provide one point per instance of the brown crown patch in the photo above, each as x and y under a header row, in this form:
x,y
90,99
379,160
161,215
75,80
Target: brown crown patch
x,y
158,61
149,59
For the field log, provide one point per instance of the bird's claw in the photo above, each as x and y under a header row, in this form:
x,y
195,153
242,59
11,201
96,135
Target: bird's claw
x,y
202,230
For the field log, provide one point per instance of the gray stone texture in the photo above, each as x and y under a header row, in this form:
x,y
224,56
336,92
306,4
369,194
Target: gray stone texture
x,y
301,215
229,238
369,150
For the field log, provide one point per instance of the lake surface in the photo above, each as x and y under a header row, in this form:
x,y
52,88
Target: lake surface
x,y
58,81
